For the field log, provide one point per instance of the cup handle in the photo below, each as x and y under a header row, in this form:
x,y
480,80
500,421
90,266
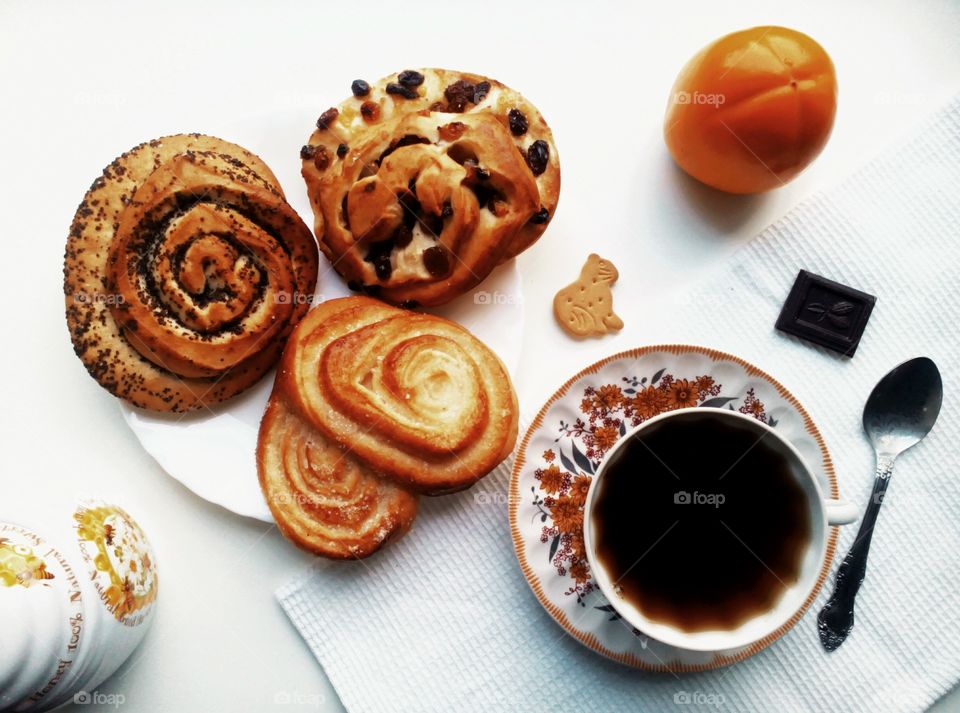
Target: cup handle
x,y
840,512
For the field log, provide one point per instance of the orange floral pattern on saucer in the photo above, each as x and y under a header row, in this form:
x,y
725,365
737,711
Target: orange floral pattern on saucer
x,y
558,456
609,410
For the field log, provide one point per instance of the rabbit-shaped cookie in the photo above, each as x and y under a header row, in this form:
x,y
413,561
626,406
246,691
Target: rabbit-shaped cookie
x,y
585,307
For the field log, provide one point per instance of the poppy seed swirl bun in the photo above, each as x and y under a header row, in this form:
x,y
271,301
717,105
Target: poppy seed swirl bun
x,y
185,271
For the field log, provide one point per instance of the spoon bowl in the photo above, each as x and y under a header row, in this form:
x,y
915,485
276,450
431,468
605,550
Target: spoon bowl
x,y
903,406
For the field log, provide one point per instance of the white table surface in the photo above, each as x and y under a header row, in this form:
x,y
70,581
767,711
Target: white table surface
x,y
81,82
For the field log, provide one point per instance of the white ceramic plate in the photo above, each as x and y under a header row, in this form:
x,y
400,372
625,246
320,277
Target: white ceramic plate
x,y
212,451
561,450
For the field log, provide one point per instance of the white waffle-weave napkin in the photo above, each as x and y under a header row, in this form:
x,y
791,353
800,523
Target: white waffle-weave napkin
x,y
446,622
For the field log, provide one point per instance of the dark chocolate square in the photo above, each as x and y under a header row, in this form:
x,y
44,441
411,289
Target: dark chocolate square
x,y
826,313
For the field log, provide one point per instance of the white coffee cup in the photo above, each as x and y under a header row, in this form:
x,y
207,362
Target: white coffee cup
x,y
823,513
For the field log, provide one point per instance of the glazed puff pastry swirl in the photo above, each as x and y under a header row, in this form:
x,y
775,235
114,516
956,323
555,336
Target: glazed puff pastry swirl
x,y
414,396
323,499
185,271
425,181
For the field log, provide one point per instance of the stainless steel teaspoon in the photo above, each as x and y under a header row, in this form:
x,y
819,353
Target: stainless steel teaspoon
x,y
901,410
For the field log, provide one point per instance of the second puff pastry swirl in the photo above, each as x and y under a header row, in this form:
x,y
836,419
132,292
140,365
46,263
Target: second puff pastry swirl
x,y
323,499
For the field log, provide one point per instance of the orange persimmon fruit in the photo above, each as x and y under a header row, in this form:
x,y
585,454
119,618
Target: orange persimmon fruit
x,y
750,111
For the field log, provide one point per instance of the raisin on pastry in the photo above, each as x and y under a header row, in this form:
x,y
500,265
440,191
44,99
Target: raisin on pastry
x,y
423,182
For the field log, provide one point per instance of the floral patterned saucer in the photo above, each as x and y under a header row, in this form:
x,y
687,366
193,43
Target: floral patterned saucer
x,y
565,443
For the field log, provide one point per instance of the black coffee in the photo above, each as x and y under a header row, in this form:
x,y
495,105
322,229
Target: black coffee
x,y
701,522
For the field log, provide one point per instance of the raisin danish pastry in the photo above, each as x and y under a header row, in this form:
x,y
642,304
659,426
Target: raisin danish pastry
x,y
185,272
323,499
412,396
424,182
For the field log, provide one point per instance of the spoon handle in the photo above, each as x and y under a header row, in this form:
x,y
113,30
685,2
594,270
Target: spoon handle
x,y
836,618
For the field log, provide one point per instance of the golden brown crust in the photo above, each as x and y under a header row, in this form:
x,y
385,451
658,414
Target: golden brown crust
x,y
481,181
585,307
185,271
324,500
416,397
